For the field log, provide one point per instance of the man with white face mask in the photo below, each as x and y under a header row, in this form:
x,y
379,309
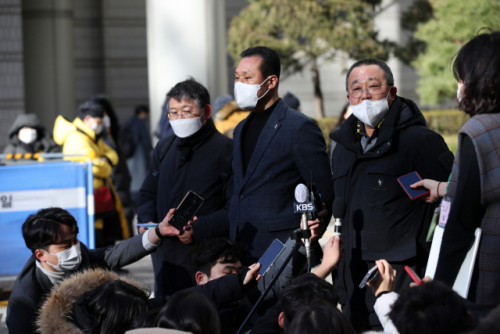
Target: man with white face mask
x,y
385,137
198,158
51,235
27,135
275,149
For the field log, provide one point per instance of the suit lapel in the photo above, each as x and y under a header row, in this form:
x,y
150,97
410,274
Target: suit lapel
x,y
270,129
238,151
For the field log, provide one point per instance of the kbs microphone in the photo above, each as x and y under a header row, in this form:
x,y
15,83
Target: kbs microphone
x,y
338,211
303,206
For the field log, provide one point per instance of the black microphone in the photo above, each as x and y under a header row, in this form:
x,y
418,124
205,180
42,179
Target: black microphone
x,y
302,197
338,211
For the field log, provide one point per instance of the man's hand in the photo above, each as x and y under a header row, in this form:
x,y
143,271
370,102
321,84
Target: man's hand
x,y
385,280
332,255
252,273
317,226
165,229
187,236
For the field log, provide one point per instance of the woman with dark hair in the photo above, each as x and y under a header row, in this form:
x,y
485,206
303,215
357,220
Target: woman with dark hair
x,y
97,301
190,311
320,317
474,187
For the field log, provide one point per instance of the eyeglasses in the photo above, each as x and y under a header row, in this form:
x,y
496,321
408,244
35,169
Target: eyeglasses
x,y
372,90
183,114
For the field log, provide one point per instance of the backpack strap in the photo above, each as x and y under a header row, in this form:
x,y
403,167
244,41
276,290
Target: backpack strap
x,y
166,146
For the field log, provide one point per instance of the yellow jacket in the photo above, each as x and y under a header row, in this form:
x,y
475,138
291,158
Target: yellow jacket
x,y
228,117
83,142
77,138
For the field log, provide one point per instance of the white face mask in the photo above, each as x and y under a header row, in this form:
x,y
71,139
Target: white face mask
x,y
185,127
97,128
27,136
69,259
371,112
106,122
459,94
245,95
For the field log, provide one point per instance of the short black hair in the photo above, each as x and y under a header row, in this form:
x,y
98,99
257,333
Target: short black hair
x,y
140,108
205,255
104,102
270,65
477,64
190,90
40,229
320,317
110,308
190,311
304,290
371,61
430,308
92,108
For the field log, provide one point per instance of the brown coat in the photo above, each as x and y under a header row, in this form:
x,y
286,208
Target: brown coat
x,y
58,308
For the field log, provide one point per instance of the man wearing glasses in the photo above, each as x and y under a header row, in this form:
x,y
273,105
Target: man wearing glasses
x,y
386,137
196,158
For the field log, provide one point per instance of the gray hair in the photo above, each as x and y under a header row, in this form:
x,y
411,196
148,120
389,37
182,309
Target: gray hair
x,y
371,61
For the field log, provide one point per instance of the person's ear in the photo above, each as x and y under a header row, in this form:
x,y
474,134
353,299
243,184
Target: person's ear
x,y
207,112
40,255
394,91
273,82
281,320
200,278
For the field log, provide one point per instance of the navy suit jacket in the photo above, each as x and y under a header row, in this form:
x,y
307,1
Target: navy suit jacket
x,y
290,148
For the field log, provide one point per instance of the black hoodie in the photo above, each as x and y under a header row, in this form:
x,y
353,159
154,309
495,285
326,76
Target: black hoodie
x,y
43,142
381,221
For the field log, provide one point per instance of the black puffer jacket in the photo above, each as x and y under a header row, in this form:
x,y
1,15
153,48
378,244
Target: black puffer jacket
x,y
381,221
43,143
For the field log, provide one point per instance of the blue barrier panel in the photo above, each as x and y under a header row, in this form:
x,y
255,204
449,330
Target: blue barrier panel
x,y
24,189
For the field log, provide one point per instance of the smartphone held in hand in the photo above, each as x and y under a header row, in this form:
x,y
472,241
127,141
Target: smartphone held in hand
x,y
186,210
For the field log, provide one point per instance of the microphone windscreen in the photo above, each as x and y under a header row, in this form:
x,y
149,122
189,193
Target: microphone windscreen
x,y
339,208
301,193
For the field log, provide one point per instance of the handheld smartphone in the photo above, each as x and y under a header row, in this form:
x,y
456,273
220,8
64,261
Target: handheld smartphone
x,y
406,180
370,276
270,256
186,210
413,276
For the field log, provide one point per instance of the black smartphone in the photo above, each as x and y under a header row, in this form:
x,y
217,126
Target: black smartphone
x,y
186,210
406,180
370,276
270,256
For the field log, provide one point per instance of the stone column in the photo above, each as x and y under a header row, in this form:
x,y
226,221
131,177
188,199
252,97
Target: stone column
x,y
185,38
48,59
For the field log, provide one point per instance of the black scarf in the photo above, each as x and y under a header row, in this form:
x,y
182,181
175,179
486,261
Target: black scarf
x,y
187,145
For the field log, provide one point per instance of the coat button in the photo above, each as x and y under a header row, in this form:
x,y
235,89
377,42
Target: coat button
x,y
378,152
241,196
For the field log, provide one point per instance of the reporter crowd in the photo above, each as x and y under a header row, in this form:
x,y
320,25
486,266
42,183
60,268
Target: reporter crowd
x,y
67,288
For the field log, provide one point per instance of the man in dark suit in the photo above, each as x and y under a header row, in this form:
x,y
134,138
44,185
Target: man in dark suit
x,y
275,148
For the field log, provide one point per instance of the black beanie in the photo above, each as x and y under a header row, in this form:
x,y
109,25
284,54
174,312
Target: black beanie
x,y
90,108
